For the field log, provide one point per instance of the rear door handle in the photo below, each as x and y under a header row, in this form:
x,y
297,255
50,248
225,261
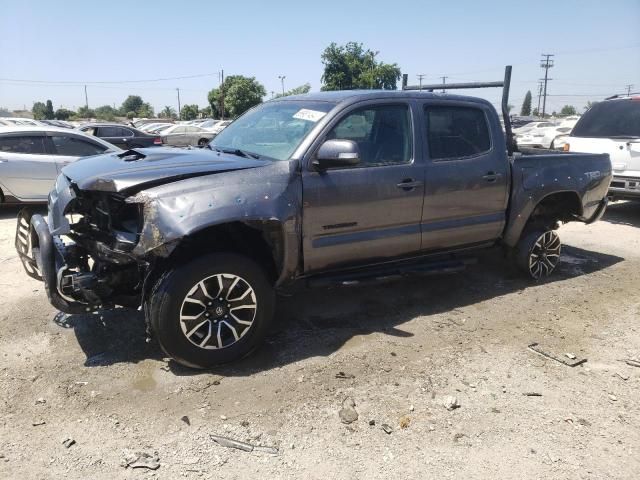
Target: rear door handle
x,y
492,176
409,184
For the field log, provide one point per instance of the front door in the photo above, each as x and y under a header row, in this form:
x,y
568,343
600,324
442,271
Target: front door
x,y
370,212
467,176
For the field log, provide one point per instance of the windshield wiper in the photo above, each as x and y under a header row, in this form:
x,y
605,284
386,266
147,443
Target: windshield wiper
x,y
238,152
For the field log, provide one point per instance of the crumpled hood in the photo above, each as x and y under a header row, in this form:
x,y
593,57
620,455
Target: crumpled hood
x,y
115,172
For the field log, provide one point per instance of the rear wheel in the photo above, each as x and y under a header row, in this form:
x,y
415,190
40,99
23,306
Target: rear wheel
x,y
538,252
212,310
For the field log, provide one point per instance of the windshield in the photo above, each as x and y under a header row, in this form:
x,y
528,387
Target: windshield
x,y
273,129
614,118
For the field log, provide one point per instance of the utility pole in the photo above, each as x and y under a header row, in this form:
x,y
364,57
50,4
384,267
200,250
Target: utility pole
x,y
86,99
420,77
178,90
546,63
539,94
282,77
443,82
629,87
221,94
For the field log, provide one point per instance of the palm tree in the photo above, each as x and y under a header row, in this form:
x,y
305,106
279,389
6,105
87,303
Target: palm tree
x,y
168,112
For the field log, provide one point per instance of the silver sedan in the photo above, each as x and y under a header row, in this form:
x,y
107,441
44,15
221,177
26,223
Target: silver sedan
x,y
31,158
185,135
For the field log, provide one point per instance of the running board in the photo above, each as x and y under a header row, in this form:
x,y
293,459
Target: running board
x,y
379,275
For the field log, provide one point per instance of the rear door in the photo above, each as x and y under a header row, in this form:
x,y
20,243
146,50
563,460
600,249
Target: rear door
x,y
68,148
115,135
467,175
27,170
370,212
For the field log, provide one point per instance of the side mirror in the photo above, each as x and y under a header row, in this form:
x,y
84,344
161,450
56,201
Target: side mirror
x,y
337,153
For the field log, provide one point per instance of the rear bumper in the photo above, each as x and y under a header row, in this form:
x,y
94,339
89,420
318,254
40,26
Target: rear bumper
x,y
43,259
625,187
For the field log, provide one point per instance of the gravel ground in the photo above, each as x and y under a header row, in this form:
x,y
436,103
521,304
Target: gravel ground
x,y
397,351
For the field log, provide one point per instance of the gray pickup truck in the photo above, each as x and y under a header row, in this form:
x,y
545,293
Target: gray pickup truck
x,y
330,188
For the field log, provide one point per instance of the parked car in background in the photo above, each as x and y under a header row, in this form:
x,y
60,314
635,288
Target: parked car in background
x,y
17,121
156,129
613,126
120,135
56,123
532,126
221,125
31,158
209,124
151,126
544,137
185,135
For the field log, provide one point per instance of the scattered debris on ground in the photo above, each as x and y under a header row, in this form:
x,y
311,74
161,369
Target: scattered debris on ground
x,y
244,446
141,460
68,442
450,402
573,363
348,412
386,428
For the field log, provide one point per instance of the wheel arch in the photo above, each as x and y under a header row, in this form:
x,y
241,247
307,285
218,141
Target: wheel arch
x,y
557,206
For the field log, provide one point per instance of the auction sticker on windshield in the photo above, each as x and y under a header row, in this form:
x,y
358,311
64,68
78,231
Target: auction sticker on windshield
x,y
309,115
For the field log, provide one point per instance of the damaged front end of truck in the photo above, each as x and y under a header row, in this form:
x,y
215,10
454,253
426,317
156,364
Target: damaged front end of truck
x,y
104,235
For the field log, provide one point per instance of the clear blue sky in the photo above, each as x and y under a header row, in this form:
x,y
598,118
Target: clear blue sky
x,y
597,45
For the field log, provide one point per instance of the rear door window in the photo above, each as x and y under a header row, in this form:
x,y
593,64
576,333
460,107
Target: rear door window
x,y
109,132
75,147
26,144
610,119
456,132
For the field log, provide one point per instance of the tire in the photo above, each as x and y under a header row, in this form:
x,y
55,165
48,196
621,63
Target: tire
x,y
179,303
202,142
538,252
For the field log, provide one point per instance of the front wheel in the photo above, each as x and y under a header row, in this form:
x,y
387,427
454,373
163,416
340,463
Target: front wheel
x,y
202,142
212,310
538,253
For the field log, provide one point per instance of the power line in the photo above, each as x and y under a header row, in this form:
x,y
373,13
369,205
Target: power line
x,y
629,87
75,82
546,63
420,77
444,78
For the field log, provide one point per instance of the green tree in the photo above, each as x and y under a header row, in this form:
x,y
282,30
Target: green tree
x,y
168,112
39,111
146,111
48,111
240,94
84,112
535,112
133,103
568,110
64,114
525,111
105,112
296,91
351,66
189,112
131,115
205,112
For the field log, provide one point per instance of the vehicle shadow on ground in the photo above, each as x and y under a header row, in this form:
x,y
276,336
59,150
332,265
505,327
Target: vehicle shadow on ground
x,y
319,322
623,213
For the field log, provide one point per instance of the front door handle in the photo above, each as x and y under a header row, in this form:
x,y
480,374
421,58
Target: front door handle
x,y
409,184
492,176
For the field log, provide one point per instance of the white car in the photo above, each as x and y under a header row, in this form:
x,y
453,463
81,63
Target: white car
x,y
31,158
544,137
613,126
532,126
147,127
209,124
221,125
17,121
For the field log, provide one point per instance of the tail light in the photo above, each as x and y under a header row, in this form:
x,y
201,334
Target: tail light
x,y
157,141
565,147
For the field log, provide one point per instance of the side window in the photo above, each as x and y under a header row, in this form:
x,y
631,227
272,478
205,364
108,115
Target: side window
x,y
180,130
455,132
23,144
75,147
125,132
383,134
108,131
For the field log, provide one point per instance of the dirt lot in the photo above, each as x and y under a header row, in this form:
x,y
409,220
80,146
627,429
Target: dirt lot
x,y
402,348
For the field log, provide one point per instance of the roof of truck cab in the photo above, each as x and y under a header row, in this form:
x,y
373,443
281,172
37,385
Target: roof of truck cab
x,y
350,96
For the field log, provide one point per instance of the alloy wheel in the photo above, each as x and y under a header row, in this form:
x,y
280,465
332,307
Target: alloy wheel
x,y
544,255
218,311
